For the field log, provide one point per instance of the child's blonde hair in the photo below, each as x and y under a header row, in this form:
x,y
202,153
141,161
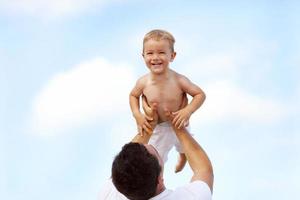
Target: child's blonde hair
x,y
158,34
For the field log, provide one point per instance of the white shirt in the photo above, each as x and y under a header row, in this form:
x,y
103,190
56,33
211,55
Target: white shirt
x,y
197,190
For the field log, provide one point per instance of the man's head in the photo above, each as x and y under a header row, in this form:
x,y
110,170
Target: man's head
x,y
136,171
158,35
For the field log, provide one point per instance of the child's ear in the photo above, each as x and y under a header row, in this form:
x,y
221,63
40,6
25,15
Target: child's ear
x,y
173,55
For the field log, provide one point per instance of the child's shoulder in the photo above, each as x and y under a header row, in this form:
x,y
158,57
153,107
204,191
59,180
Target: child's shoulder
x,y
178,76
143,79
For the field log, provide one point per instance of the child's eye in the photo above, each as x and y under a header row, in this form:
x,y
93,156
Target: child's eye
x,y
149,53
162,52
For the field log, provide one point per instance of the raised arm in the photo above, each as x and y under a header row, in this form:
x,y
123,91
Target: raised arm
x,y
195,91
152,117
196,156
134,98
198,95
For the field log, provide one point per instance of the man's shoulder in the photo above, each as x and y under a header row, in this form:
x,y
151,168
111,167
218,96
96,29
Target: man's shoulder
x,y
194,190
109,192
191,191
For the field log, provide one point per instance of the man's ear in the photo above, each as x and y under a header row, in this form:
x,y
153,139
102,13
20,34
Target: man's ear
x,y
173,55
160,184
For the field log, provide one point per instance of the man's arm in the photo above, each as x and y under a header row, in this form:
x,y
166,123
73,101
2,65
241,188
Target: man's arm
x,y
152,117
196,156
143,139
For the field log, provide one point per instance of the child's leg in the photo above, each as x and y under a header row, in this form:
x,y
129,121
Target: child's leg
x,y
181,158
163,139
181,162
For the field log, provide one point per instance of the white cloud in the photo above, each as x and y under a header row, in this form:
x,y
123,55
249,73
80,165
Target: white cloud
x,y
91,89
223,65
225,100
254,57
122,131
50,8
220,74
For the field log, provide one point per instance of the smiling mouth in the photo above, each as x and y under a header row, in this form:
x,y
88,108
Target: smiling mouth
x,y
156,65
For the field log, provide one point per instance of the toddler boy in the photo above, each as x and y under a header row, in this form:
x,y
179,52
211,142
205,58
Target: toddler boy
x,y
165,88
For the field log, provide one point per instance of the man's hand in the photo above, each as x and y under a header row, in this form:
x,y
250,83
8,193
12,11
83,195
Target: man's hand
x,y
151,117
181,117
150,113
142,124
196,156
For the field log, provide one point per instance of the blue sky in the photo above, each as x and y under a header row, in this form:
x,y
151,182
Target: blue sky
x,y
67,67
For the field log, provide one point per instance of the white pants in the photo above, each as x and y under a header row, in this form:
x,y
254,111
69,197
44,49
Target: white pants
x,y
164,138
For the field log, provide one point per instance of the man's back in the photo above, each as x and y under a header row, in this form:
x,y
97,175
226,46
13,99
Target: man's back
x,y
197,190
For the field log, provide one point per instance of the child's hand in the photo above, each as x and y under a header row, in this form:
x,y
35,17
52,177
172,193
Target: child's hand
x,y
142,124
181,118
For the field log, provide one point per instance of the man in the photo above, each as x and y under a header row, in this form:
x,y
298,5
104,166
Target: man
x,y
137,171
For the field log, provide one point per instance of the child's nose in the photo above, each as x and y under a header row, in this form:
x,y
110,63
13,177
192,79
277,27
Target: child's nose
x,y
155,56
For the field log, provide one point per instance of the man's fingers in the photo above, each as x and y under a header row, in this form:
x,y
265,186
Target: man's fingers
x,y
144,101
181,125
175,113
178,122
140,130
146,107
148,118
186,123
146,129
148,111
147,124
175,119
169,115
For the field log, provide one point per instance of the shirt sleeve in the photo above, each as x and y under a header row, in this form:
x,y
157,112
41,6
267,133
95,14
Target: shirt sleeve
x,y
194,190
105,190
109,192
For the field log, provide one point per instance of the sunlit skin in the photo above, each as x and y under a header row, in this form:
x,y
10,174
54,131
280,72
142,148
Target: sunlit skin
x,y
164,88
157,56
197,158
160,187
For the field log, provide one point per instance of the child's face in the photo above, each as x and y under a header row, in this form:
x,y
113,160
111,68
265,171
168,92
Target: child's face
x,y
157,55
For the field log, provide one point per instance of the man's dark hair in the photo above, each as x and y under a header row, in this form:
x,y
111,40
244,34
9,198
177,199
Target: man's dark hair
x,y
135,172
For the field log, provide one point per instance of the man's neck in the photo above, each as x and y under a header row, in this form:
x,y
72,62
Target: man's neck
x,y
160,190
161,186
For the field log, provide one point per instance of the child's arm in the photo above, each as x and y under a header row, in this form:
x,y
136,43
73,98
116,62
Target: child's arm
x,y
134,98
183,115
150,112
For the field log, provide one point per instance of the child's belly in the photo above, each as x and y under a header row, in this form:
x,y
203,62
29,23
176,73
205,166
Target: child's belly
x,y
163,106
168,97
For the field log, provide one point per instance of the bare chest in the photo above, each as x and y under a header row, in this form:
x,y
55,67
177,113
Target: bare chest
x,y
167,95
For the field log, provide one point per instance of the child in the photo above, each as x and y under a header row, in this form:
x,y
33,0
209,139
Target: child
x,y
165,88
